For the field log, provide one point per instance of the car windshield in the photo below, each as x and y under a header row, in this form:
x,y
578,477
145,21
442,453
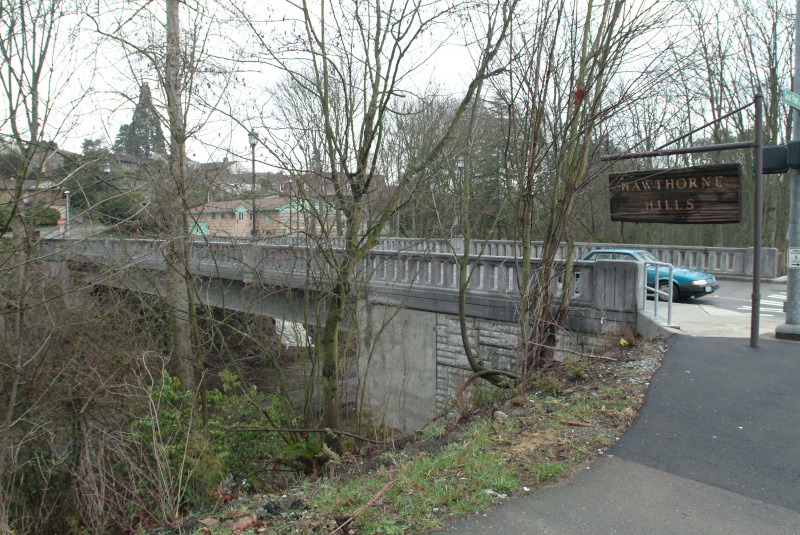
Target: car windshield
x,y
647,257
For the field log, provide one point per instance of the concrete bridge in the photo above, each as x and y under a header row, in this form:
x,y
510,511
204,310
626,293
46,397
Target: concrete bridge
x,y
416,360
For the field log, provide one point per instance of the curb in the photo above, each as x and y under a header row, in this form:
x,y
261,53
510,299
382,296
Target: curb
x,y
650,326
745,278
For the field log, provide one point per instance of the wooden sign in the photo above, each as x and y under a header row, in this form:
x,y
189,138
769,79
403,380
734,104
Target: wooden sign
x,y
690,195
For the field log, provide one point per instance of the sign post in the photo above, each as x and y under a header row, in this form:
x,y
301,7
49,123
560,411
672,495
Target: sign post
x,y
791,329
758,163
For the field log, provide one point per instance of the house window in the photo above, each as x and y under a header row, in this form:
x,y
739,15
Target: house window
x,y
222,215
250,216
213,215
233,215
241,216
266,218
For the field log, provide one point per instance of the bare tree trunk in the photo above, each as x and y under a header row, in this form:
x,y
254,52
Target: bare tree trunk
x,y
176,256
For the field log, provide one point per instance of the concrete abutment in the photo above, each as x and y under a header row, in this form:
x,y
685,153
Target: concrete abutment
x,y
413,366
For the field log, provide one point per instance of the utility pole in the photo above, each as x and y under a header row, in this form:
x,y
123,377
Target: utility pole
x,y
791,329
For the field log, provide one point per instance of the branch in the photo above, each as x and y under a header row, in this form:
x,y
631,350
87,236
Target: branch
x,y
242,429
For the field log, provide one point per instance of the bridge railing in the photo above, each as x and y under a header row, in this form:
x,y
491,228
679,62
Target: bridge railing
x,y
283,261
602,291
730,261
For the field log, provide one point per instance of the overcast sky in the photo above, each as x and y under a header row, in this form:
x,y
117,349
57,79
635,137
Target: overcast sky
x,y
98,75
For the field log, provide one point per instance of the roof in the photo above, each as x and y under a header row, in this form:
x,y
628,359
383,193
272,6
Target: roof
x,y
273,202
28,184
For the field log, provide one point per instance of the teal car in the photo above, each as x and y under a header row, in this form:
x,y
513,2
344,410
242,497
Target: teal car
x,y
686,283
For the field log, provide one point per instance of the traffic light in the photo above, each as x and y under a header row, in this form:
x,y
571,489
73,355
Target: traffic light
x,y
780,158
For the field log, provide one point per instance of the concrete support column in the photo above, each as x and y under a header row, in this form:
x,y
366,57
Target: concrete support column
x,y
397,366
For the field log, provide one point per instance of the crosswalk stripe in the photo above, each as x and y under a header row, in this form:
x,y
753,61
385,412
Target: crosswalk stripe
x,y
761,309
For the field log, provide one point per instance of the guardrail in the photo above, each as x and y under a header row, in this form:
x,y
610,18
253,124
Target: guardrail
x,y
656,292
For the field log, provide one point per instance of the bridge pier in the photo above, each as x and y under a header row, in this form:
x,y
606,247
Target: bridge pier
x,y
398,366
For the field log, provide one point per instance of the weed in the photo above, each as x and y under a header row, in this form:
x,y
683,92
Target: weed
x,y
453,480
576,367
528,447
545,382
629,334
432,430
548,471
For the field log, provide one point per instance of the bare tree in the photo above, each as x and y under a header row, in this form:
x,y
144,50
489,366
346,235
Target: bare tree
x,y
352,59
764,44
190,82
566,60
37,40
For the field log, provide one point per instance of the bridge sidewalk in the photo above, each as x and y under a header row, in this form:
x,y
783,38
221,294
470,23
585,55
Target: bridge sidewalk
x,y
698,319
712,451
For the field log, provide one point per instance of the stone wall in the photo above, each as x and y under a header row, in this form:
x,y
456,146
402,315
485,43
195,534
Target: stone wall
x,y
496,343
414,365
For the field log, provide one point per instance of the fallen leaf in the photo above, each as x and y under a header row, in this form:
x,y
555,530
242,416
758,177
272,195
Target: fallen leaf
x,y
243,523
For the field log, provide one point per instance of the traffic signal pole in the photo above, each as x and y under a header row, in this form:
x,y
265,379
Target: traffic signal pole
x,y
791,329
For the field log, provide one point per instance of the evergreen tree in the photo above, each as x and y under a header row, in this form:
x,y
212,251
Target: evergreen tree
x,y
142,136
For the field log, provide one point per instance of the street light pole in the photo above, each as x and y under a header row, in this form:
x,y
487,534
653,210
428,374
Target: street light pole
x,y
66,223
460,165
253,137
107,172
290,207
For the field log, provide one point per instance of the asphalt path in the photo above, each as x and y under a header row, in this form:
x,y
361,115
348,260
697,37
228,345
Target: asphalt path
x,y
713,451
725,414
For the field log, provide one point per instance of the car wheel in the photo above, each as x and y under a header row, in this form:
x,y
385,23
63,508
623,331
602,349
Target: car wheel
x,y
664,287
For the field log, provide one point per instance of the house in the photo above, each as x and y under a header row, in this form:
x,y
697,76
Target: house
x,y
39,192
275,216
235,217
50,163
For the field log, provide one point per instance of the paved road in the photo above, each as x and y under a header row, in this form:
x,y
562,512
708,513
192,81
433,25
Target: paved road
x,y
77,231
736,294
